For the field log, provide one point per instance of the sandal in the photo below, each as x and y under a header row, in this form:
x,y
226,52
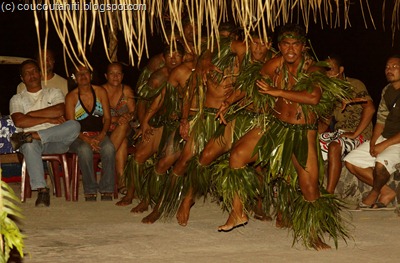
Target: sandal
x,y
91,197
378,206
106,196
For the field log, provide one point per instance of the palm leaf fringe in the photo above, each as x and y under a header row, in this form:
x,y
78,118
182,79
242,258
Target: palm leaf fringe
x,y
312,219
11,236
243,181
156,185
175,190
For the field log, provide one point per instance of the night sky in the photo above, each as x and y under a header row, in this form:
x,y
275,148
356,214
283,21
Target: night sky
x,y
364,50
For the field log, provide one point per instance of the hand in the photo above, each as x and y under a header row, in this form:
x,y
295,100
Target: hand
x,y
57,120
125,118
350,135
221,112
146,131
184,129
265,88
92,141
95,143
377,149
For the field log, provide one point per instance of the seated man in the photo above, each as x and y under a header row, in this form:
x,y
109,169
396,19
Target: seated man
x,y
50,79
374,162
39,113
353,125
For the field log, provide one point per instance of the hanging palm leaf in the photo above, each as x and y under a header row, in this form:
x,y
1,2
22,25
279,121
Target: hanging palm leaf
x,y
77,22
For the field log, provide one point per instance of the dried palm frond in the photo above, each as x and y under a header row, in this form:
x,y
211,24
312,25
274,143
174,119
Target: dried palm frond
x,y
76,22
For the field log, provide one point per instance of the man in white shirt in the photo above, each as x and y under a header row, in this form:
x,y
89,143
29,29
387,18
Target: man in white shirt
x,y
50,79
38,114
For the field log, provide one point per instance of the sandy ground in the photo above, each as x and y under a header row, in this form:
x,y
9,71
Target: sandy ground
x,y
103,232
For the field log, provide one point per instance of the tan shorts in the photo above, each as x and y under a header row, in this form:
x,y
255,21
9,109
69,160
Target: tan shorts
x,y
360,156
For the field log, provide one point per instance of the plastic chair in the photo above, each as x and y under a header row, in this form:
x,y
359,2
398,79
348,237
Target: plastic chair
x,y
74,164
56,160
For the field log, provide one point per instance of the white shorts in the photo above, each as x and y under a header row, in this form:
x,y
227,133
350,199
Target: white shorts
x,y
360,156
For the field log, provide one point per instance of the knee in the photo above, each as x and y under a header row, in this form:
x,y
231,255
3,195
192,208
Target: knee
x,y
30,148
108,149
206,158
334,149
381,170
75,126
236,159
350,167
85,152
162,166
310,191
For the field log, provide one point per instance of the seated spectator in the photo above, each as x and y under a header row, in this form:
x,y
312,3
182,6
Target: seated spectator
x,y
122,105
352,127
38,113
374,162
52,79
88,104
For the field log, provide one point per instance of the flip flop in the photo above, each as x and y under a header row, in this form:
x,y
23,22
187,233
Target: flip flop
x,y
361,206
378,206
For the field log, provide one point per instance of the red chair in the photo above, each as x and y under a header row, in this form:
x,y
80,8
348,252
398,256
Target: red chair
x,y
74,164
56,161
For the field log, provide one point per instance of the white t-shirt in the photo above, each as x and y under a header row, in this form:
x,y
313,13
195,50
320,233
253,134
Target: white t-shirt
x,y
25,102
55,82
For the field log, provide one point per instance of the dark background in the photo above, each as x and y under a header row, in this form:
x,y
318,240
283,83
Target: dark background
x,y
364,50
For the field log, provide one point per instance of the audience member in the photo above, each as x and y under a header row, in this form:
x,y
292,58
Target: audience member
x,y
353,124
38,113
47,60
89,105
122,106
373,162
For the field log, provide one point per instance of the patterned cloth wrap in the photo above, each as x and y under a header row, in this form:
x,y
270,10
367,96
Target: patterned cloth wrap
x,y
346,144
7,128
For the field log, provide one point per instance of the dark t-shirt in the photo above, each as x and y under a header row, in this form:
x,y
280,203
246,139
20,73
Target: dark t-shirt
x,y
391,98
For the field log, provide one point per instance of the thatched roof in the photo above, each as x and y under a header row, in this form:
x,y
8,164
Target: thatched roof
x,y
77,23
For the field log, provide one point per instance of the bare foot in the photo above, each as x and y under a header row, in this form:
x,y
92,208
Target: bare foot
x,y
260,215
234,220
152,217
124,201
319,245
386,198
143,206
371,198
184,211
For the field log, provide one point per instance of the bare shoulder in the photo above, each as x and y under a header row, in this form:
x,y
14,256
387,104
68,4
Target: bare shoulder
x,y
238,47
72,95
158,77
99,90
128,91
271,65
312,67
155,62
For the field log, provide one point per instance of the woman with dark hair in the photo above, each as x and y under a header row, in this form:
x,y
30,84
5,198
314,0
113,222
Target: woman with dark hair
x,y
88,104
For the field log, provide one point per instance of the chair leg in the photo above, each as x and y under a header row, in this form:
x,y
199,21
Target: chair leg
x,y
23,181
56,176
67,179
75,176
